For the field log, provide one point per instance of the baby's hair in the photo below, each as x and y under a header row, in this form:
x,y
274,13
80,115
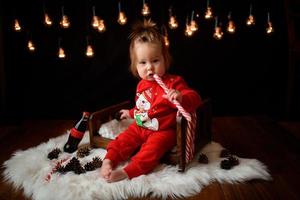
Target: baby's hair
x,y
147,32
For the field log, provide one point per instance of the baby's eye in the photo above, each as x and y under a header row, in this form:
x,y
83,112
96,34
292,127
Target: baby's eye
x,y
155,60
142,62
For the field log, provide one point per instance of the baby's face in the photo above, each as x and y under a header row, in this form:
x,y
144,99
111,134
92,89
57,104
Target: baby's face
x,y
149,59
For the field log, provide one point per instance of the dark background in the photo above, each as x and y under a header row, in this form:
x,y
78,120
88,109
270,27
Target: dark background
x,y
244,74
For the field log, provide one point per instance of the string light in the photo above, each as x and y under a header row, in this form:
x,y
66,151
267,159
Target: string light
x,y
193,25
101,27
145,10
95,19
218,34
64,23
47,20
208,12
188,32
30,45
250,20
122,19
61,52
269,28
97,23
165,35
89,49
17,26
230,26
173,24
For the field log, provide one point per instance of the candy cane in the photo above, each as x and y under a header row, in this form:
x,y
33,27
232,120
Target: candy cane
x,y
186,115
190,134
54,169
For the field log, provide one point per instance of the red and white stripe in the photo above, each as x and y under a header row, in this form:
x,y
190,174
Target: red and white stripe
x,y
192,120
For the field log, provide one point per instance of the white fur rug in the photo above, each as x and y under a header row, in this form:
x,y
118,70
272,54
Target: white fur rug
x,y
28,170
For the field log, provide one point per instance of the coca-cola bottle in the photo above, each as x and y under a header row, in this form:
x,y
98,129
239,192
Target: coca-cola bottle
x,y
77,133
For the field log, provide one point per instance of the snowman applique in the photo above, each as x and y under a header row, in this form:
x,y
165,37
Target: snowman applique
x,y
141,113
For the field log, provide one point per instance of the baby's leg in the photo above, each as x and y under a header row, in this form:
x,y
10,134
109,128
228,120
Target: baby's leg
x,y
117,175
106,169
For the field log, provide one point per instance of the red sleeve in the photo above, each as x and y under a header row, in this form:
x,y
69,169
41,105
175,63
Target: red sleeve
x,y
131,112
191,100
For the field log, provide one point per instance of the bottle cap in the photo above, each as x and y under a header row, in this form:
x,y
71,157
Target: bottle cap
x,y
86,114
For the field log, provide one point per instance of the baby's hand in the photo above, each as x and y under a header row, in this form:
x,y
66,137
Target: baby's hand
x,y
173,95
124,114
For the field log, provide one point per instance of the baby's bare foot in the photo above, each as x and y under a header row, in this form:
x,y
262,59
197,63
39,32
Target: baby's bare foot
x,y
106,169
117,175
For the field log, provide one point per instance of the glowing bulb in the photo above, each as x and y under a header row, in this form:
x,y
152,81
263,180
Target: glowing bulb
x,y
193,26
61,53
101,27
122,18
218,34
173,24
30,45
89,51
65,23
188,32
250,20
231,27
208,13
270,28
95,22
166,41
47,20
17,26
145,10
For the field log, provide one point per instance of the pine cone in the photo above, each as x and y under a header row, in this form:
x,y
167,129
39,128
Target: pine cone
x,y
203,158
233,160
54,153
78,169
82,152
96,163
70,165
229,162
225,153
226,164
89,166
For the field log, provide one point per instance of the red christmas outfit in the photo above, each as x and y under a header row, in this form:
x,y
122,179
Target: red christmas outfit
x,y
154,130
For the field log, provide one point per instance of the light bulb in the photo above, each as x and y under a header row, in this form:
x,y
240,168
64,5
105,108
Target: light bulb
x,y
208,13
30,45
218,34
231,27
61,53
65,23
47,20
17,26
145,10
89,51
95,22
166,41
250,20
269,28
173,24
101,27
122,18
188,32
193,26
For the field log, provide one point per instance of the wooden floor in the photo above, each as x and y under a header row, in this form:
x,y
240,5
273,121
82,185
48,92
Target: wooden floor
x,y
249,136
